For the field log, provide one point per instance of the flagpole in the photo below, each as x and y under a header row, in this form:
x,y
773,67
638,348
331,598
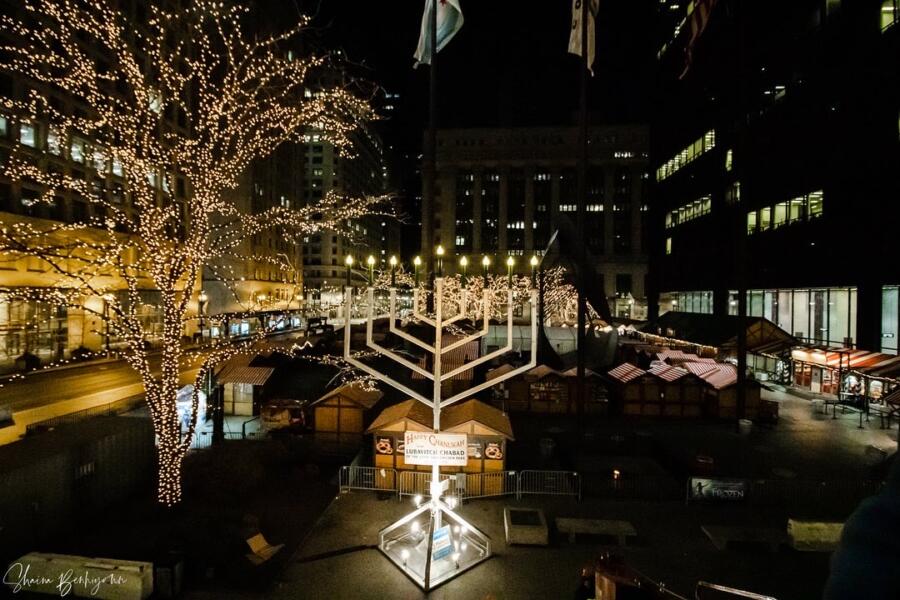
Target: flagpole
x,y
582,211
431,150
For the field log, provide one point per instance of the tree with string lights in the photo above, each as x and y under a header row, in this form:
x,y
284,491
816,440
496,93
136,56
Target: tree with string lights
x,y
187,95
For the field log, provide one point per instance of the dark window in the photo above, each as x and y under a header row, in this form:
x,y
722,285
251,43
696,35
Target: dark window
x,y
623,284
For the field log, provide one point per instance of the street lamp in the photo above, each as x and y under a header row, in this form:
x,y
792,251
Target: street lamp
x,y
107,298
464,262
393,262
349,262
510,261
440,257
417,262
485,263
202,300
371,262
534,263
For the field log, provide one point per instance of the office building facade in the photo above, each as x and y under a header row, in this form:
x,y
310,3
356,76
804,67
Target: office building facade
x,y
774,167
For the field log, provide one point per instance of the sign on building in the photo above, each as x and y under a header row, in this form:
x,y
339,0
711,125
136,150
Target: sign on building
x,y
703,488
423,448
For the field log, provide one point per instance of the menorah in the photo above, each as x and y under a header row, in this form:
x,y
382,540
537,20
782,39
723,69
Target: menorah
x,y
460,546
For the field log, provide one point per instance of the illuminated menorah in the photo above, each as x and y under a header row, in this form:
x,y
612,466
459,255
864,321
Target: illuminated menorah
x,y
410,548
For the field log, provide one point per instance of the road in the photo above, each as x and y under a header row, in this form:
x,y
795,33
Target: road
x,y
54,386
56,392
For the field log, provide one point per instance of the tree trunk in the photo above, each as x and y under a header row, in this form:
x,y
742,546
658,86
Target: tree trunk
x,y
169,463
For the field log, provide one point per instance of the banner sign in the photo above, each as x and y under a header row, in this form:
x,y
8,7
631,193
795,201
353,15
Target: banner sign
x,y
703,488
441,547
423,448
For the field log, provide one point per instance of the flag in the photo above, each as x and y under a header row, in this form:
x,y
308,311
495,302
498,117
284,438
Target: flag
x,y
575,34
699,18
449,21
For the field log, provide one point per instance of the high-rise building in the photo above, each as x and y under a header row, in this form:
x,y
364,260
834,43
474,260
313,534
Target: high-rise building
x,y
774,163
361,171
504,192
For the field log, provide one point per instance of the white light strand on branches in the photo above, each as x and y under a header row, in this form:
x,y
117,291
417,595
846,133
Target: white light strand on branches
x,y
187,97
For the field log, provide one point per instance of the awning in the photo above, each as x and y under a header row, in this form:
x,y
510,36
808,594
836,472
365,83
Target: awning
x,y
874,364
626,372
246,375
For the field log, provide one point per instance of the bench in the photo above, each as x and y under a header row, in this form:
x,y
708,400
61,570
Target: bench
x,y
814,536
722,536
621,530
261,550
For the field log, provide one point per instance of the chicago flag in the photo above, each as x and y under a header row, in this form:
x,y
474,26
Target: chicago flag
x,y
449,21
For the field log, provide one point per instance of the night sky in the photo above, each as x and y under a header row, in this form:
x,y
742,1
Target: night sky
x,y
507,66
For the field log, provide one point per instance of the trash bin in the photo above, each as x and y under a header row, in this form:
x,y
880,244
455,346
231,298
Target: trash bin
x,y
745,426
168,573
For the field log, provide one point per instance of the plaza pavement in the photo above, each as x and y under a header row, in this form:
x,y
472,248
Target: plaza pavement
x,y
338,559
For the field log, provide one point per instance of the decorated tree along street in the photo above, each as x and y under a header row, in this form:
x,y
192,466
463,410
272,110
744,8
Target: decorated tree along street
x,y
189,97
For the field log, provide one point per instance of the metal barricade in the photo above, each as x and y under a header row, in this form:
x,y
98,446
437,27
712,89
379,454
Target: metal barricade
x,y
367,478
549,483
418,483
488,484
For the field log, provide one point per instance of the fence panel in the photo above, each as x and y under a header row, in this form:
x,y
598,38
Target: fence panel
x,y
489,484
549,483
368,478
418,483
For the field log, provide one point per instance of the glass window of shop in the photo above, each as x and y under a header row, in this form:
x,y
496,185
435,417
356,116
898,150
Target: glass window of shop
x,y
689,302
890,319
825,316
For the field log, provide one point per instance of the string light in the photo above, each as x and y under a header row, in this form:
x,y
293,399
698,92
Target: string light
x,y
212,101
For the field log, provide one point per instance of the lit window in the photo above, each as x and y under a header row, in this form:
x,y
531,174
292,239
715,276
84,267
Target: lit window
x,y
460,240
668,245
751,222
729,159
733,193
117,167
765,218
99,161
4,126
815,204
54,144
28,135
780,217
798,209
688,155
79,149
890,13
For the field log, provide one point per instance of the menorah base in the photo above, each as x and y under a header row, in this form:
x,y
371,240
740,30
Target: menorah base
x,y
456,546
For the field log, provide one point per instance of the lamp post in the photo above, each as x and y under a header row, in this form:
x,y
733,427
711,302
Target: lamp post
x,y
371,262
107,298
534,263
485,264
510,261
349,262
393,263
464,262
202,301
440,256
417,262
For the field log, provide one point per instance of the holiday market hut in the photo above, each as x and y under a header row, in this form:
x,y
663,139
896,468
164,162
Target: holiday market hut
x,y
488,431
544,390
244,382
341,413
